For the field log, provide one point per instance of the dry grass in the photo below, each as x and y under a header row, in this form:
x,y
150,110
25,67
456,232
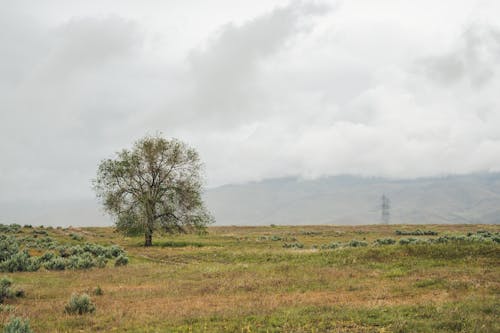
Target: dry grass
x,y
232,280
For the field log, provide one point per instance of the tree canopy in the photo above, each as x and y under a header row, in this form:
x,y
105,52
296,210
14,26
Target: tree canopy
x,y
155,186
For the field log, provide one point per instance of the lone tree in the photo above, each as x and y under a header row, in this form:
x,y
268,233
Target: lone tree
x,y
155,186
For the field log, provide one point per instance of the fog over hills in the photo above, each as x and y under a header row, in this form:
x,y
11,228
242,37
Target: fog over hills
x,y
473,198
357,200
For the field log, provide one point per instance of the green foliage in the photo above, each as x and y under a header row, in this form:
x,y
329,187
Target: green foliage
x,y
180,244
56,264
98,291
17,325
122,260
295,245
8,247
417,232
47,256
330,246
6,308
76,237
385,241
101,262
79,304
357,243
406,241
11,228
82,261
20,262
6,291
40,232
156,186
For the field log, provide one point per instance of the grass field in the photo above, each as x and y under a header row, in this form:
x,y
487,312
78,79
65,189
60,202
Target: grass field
x,y
243,279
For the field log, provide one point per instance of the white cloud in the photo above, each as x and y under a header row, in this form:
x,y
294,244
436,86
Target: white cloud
x,y
384,88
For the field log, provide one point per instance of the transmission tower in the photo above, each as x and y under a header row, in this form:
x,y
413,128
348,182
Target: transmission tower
x,y
386,206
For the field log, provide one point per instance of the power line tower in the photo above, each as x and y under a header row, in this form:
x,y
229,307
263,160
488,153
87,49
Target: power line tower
x,y
386,206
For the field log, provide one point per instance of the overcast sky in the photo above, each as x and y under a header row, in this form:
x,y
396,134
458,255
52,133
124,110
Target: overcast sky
x,y
260,88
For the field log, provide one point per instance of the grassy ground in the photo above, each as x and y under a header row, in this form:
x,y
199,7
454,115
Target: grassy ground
x,y
242,279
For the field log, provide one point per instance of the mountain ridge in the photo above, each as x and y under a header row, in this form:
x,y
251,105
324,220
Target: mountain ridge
x,y
346,199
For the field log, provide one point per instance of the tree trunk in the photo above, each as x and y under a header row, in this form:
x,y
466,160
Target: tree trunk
x,y
148,236
148,239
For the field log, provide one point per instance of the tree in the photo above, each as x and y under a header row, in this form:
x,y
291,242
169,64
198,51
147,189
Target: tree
x,y
155,186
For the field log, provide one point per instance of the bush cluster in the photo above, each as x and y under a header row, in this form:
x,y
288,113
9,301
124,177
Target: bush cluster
x,y
83,257
40,243
417,232
357,243
6,291
332,245
79,304
411,240
60,257
10,228
479,236
17,325
295,245
310,233
76,237
276,238
40,232
122,260
385,241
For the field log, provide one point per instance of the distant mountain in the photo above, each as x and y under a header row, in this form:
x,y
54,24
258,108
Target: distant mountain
x,y
356,200
331,200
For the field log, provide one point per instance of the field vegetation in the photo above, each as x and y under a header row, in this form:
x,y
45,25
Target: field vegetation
x,y
379,278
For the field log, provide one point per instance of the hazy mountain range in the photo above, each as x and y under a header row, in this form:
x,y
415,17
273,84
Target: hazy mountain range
x,y
471,198
357,200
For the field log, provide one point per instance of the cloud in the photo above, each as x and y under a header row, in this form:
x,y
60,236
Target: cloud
x,y
226,71
427,116
474,59
72,87
288,89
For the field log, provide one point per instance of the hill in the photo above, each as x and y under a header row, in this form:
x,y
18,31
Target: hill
x,y
471,198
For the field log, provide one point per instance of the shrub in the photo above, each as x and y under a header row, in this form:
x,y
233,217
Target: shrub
x,y
17,325
6,308
45,243
332,245
76,237
83,261
5,291
98,291
56,264
20,262
40,232
101,261
79,304
417,232
122,260
357,243
295,245
47,256
385,241
8,247
406,241
115,251
12,228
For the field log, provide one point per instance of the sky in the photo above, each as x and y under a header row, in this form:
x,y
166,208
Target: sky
x,y
262,89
